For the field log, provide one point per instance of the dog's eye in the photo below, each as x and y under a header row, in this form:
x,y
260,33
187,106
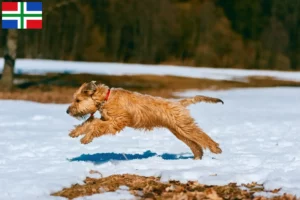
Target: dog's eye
x,y
77,100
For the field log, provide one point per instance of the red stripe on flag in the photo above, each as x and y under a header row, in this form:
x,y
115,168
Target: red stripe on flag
x,y
34,24
9,6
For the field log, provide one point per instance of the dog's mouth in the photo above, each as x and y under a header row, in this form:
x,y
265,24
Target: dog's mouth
x,y
81,116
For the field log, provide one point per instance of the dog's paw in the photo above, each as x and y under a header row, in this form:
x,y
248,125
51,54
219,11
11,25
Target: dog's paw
x,y
216,150
86,140
74,134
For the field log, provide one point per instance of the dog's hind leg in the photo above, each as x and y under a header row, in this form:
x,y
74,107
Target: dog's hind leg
x,y
195,134
196,149
186,127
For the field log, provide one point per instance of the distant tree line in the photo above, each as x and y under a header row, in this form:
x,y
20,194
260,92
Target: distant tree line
x,y
256,34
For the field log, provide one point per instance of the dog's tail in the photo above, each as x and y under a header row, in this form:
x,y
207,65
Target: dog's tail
x,y
188,101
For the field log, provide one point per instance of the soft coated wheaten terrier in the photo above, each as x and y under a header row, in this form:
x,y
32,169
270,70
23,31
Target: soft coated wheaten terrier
x,y
120,108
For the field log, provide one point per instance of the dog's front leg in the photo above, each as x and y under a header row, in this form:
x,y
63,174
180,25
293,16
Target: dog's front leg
x,y
98,128
82,128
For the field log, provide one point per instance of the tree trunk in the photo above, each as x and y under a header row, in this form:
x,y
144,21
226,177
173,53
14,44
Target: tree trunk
x,y
10,54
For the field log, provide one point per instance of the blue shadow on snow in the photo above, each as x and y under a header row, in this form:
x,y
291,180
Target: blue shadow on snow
x,y
100,158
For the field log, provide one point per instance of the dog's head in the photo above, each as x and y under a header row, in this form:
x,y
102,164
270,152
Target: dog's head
x,y
83,101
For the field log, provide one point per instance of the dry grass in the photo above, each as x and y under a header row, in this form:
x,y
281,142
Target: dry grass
x,y
151,188
58,88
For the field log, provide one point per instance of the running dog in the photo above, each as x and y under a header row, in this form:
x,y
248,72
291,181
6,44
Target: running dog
x,y
121,108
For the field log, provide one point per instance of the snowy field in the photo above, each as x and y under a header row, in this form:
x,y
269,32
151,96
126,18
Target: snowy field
x,y
44,66
258,130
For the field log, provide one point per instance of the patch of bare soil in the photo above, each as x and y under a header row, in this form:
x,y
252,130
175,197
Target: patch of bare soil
x,y
151,188
59,88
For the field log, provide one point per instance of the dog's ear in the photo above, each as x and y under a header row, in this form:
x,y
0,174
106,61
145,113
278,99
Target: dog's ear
x,y
90,88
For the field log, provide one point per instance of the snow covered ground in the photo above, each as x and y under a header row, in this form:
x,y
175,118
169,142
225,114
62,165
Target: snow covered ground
x,y
45,66
258,130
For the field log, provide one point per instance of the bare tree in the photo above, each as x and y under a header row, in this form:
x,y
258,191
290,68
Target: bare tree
x,y
10,54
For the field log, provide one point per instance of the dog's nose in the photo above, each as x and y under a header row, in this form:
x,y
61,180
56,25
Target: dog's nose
x,y
67,111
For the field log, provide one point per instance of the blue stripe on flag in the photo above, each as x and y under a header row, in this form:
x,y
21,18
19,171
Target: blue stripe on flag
x,y
9,24
34,6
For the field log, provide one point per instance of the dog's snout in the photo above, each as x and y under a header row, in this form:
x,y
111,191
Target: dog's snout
x,y
68,111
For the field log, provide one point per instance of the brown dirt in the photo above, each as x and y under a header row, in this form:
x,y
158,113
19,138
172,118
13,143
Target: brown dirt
x,y
151,188
58,88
